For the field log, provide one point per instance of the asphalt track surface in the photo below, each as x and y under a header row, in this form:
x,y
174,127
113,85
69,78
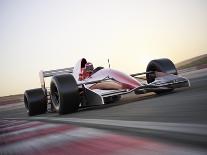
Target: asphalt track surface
x,y
173,123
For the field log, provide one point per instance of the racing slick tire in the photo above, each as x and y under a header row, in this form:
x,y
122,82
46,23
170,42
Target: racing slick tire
x,y
64,94
35,101
160,65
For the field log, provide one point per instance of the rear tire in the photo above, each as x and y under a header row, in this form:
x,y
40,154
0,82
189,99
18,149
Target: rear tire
x,y
64,94
35,101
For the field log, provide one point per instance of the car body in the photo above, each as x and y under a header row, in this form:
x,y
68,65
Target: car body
x,y
67,93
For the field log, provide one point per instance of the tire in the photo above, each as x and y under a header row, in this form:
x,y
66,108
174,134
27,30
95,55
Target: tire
x,y
35,101
64,94
161,65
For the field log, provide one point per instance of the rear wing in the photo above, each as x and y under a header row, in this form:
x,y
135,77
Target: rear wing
x,y
50,73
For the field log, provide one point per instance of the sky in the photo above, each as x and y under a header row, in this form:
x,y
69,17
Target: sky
x,y
50,34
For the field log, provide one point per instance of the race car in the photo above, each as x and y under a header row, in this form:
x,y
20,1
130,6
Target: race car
x,y
83,86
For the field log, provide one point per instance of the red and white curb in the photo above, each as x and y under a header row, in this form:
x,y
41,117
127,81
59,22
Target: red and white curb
x,y
35,137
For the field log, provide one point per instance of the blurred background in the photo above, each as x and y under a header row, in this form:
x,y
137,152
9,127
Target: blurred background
x,y
50,34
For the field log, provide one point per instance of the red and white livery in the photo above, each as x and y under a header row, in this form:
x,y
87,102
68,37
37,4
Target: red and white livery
x,y
83,85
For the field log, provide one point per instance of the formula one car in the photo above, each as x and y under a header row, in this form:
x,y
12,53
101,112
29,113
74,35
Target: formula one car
x,y
83,86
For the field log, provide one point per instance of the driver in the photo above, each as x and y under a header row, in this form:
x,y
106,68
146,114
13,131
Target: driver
x,y
86,72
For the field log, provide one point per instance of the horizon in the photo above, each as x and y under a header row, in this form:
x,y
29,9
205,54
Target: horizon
x,y
50,34
175,64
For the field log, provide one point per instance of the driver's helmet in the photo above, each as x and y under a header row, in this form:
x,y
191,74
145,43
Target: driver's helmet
x,y
89,67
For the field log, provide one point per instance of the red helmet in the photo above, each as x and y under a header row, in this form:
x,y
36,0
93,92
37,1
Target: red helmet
x,y
89,67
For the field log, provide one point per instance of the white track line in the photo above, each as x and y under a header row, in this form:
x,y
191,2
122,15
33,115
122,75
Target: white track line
x,y
186,128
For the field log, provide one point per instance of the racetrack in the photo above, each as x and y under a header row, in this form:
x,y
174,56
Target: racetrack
x,y
177,118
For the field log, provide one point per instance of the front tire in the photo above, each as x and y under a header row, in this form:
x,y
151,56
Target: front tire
x,y
35,101
64,94
160,65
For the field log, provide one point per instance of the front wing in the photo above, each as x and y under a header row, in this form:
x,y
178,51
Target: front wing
x,y
161,84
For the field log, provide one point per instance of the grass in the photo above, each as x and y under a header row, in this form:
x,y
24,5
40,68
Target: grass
x,y
197,62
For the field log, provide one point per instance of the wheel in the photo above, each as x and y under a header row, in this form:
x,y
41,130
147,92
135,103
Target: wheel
x,y
64,94
35,101
160,65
